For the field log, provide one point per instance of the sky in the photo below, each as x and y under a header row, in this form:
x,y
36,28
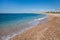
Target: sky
x,y
23,6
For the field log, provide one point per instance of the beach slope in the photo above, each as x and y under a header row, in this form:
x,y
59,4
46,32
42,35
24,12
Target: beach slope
x,y
46,31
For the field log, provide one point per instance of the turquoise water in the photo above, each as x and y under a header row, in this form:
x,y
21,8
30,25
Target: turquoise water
x,y
14,18
10,22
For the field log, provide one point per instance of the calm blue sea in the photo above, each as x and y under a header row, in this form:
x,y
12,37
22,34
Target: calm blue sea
x,y
22,17
10,22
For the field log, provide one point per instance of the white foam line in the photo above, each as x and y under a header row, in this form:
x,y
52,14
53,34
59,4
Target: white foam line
x,y
14,34
39,19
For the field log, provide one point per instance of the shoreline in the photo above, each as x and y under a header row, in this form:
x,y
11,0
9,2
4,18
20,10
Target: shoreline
x,y
50,18
34,21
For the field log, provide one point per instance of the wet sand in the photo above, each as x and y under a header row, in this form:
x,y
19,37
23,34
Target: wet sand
x,y
46,31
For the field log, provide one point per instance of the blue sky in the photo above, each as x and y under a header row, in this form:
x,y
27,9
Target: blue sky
x,y
18,6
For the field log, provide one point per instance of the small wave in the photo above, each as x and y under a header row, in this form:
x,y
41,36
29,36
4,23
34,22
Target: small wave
x,y
37,21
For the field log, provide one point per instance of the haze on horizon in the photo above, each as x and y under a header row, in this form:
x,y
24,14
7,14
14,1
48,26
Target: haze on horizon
x,y
23,6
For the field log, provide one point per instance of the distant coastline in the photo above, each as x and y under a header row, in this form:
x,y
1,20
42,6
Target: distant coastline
x,y
53,12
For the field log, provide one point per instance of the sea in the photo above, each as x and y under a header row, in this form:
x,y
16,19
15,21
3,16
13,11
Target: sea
x,y
12,24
